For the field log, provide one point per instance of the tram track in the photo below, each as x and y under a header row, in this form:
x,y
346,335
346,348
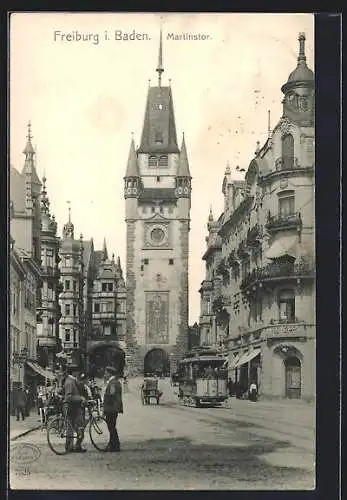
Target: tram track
x,y
276,430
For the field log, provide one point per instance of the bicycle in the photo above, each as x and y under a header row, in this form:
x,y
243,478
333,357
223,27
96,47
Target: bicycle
x,y
60,427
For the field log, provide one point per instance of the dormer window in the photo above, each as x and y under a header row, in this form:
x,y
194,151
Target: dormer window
x,y
163,161
152,161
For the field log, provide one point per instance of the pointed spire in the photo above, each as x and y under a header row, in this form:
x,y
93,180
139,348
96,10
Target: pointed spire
x,y
118,262
183,166
210,215
104,251
257,149
29,150
68,230
29,163
132,166
160,68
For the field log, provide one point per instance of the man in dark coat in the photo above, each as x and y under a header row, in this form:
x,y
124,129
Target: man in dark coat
x,y
20,403
113,405
75,400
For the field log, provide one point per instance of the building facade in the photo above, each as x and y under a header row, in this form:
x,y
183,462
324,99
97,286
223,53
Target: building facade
x,y
157,203
71,298
48,310
92,303
106,342
266,304
18,349
25,270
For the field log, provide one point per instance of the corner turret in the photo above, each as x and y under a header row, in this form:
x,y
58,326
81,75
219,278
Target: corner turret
x,y
298,103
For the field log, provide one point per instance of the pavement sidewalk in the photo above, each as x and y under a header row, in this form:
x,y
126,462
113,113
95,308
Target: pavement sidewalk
x,y
23,427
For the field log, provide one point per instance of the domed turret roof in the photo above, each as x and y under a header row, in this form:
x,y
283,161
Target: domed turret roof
x,y
302,73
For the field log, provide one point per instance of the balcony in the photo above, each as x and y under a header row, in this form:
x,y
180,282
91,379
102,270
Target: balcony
x,y
286,163
281,222
50,271
275,329
104,316
278,271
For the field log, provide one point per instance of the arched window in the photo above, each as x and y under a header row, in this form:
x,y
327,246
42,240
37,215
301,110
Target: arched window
x,y
152,161
163,161
288,151
286,306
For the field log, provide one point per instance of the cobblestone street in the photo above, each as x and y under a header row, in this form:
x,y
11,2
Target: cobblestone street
x,y
263,445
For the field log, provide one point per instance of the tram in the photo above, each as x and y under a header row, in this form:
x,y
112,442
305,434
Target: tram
x,y
203,379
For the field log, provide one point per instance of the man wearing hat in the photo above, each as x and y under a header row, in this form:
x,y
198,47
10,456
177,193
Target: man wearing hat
x,y
113,405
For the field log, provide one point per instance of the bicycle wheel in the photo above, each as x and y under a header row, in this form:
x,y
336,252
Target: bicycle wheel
x,y
98,433
57,431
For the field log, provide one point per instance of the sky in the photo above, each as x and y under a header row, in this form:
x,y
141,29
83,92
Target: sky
x,y
85,98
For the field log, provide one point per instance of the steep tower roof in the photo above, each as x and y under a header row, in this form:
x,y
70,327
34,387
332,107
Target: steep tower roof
x,y
132,166
159,129
183,166
104,251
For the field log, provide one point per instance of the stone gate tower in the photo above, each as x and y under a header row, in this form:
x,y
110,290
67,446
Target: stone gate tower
x,y
157,197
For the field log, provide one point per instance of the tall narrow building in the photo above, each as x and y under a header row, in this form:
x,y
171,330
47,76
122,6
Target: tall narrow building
x,y
71,324
48,306
157,197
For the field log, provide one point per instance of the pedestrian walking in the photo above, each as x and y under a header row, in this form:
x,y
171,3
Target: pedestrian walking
x,y
238,390
113,406
20,404
75,411
253,391
27,401
230,387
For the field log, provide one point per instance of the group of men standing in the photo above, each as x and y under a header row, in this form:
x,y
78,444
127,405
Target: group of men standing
x,y
76,395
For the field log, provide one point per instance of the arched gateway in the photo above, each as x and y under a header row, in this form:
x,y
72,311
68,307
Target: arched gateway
x,y
157,362
106,355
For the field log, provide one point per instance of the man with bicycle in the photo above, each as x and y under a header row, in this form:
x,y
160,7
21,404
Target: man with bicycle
x,y
74,400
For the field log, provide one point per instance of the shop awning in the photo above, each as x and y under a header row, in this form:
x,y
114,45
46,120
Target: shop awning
x,y
247,357
234,361
41,371
284,245
226,363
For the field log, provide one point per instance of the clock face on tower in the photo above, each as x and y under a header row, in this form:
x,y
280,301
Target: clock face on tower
x,y
157,235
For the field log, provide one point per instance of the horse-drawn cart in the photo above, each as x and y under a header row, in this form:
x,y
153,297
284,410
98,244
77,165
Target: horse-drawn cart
x,y
149,390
